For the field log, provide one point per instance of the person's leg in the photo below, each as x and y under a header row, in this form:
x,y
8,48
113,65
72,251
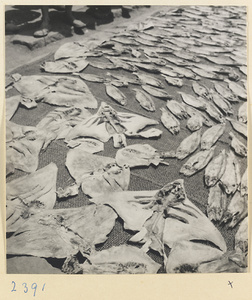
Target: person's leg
x,y
45,25
71,19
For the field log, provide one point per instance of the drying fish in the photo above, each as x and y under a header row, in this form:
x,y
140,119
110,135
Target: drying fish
x,y
242,113
173,81
148,36
119,140
177,109
211,136
118,83
123,65
186,56
115,94
243,69
156,92
231,178
226,93
87,144
96,174
188,145
65,66
221,103
147,79
12,104
125,41
71,190
214,68
207,74
61,233
215,169
193,101
56,90
123,259
186,256
157,60
184,72
169,72
214,112
135,53
145,42
138,155
201,115
169,121
238,90
197,162
29,194
217,203
103,65
232,75
237,209
241,237
177,61
147,67
124,78
150,52
224,60
238,146
244,183
150,133
144,100
92,78
239,127
201,90
194,123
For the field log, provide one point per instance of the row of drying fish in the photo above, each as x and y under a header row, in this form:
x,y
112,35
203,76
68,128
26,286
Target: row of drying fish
x,y
157,218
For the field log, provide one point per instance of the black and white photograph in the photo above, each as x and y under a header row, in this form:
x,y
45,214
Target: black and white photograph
x,y
126,139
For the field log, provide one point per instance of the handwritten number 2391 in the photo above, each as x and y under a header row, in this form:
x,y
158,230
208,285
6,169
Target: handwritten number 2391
x,y
34,287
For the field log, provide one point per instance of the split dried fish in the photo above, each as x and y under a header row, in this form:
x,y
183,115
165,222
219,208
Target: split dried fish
x,y
156,92
92,78
69,191
12,104
169,121
125,41
215,169
220,60
119,140
211,136
221,103
135,53
207,74
65,66
145,42
96,174
186,56
173,81
184,72
60,233
56,90
124,78
231,178
123,65
145,100
239,127
147,79
201,115
157,60
238,90
217,203
177,109
28,194
214,112
192,101
147,67
115,94
226,93
188,145
87,144
103,65
149,133
237,209
244,183
197,162
241,237
237,145
139,155
169,72
123,259
242,113
201,90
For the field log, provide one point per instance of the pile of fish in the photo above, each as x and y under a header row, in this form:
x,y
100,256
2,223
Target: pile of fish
x,y
182,72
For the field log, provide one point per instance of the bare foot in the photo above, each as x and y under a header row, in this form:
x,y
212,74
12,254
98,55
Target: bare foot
x,y
43,30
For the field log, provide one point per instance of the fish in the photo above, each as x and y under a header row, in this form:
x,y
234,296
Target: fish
x,y
197,162
231,178
185,72
226,93
147,67
177,109
157,60
69,191
135,53
115,94
65,66
125,78
239,127
149,37
103,65
244,70
122,64
169,72
156,92
150,80
118,83
207,74
11,106
232,75
221,103
201,90
173,81
145,42
169,121
201,115
192,101
241,237
220,60
237,210
150,133
217,203
238,90
125,41
92,78
177,61
214,112
237,145
119,140
186,56
244,183
211,136
215,169
195,122
188,145
145,100
242,113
